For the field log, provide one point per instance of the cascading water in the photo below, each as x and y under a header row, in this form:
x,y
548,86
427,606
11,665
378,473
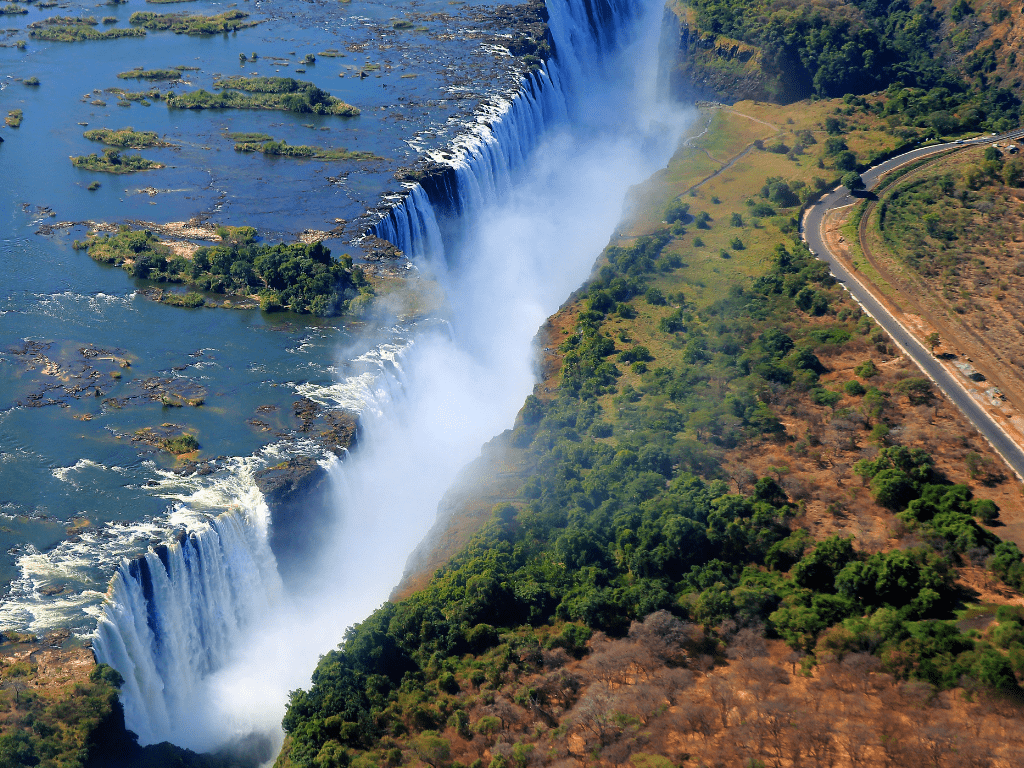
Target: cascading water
x,y
536,190
175,614
488,156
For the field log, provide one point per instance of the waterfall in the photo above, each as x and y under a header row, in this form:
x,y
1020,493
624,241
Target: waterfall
x,y
208,648
174,614
489,153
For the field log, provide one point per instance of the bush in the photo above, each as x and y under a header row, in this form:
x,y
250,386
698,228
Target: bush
x,y
488,725
854,388
677,210
866,370
985,510
655,296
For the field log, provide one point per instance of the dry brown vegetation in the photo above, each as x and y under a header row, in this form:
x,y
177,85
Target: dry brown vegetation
x,y
815,464
668,694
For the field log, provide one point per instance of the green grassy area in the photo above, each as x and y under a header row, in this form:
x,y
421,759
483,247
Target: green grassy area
x,y
731,132
248,138
851,233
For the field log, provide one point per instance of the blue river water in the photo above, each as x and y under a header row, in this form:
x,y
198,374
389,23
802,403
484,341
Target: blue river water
x,y
81,345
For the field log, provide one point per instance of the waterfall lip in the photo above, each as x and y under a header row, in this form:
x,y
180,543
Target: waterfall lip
x,y
453,152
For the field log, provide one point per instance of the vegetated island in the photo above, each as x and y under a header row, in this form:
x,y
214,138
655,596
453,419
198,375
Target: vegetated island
x,y
281,93
14,118
173,73
112,161
268,146
12,9
145,98
192,24
71,29
299,277
126,137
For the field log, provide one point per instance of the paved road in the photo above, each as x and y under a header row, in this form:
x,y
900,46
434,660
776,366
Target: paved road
x,y
950,386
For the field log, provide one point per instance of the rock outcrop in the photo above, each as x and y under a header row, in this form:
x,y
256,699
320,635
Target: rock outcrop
x,y
703,65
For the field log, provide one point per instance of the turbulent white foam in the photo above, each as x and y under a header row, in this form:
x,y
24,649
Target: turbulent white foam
x,y
62,473
175,614
57,304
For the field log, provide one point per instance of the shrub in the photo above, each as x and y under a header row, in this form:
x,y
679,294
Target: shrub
x,y
655,296
866,370
854,388
487,725
985,510
852,181
677,210
446,682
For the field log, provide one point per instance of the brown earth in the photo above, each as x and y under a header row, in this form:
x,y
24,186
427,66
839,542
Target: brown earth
x,y
669,695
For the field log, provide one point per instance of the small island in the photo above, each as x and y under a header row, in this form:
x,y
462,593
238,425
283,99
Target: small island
x,y
126,137
73,29
192,24
280,93
173,73
299,277
112,161
268,146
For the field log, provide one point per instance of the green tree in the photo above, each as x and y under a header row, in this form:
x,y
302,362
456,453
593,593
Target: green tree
x,y
853,181
432,749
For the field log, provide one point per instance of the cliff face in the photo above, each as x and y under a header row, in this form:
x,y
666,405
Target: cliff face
x,y
702,65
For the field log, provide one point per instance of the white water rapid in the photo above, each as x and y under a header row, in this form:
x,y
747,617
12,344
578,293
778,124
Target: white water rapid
x,y
206,638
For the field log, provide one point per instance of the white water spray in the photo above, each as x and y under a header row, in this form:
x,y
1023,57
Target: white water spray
x,y
539,187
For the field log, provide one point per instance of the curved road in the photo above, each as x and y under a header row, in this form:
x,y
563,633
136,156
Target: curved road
x,y
989,427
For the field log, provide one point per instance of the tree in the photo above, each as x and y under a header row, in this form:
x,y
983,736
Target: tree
x,y
853,182
432,749
932,340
